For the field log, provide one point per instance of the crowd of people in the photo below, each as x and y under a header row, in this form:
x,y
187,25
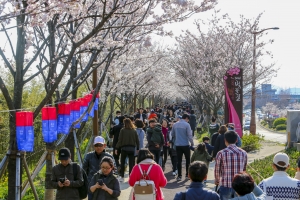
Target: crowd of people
x,y
144,142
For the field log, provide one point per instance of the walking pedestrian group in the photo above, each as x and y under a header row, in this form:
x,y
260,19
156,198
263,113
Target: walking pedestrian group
x,y
144,141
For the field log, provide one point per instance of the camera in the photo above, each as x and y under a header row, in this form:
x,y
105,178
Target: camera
x,y
100,181
62,180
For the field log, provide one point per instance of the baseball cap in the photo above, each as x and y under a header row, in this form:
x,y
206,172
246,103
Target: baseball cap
x,y
64,154
281,160
99,139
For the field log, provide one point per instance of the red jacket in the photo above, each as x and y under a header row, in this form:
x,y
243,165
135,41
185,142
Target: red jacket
x,y
152,116
156,174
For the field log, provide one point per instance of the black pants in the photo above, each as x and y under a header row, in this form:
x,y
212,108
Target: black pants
x,y
193,131
131,161
165,155
187,154
174,163
117,157
156,154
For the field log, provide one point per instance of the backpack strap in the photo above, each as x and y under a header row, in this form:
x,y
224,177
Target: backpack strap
x,y
74,165
183,196
147,174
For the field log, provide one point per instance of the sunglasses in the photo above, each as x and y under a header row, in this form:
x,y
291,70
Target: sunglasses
x,y
98,145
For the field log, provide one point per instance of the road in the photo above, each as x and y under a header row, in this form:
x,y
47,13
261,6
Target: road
x,y
272,136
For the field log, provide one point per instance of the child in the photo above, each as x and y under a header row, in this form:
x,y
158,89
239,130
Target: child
x,y
200,154
207,145
197,173
155,139
297,175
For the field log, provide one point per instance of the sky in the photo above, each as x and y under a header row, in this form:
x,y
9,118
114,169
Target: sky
x,y
277,13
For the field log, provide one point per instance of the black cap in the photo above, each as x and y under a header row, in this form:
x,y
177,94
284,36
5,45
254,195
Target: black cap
x,y
64,154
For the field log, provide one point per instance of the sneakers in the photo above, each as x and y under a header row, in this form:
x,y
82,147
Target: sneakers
x,y
121,179
178,178
174,173
186,176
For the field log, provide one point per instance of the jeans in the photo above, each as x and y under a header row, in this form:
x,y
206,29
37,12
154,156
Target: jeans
x,y
130,155
156,154
226,193
187,154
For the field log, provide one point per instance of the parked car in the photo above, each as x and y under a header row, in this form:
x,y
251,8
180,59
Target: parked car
x,y
247,126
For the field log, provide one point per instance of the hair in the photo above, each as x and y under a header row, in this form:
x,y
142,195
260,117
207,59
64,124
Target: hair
x,y
152,121
231,137
117,112
197,171
121,119
144,154
213,119
131,118
243,183
139,123
192,112
109,160
205,138
165,121
279,168
222,129
128,124
184,116
201,148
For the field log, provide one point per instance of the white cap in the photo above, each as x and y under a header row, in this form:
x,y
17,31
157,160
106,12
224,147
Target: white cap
x,y
99,139
281,160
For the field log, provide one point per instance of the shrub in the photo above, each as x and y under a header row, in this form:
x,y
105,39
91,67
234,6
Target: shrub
x,y
280,127
263,122
279,121
251,142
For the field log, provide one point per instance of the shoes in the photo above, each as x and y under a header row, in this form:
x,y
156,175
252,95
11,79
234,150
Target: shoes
x,y
174,173
186,176
178,178
121,179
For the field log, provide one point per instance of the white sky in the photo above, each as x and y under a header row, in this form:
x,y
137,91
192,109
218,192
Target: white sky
x,y
277,13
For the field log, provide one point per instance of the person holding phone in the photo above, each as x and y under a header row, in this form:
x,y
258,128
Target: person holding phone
x,y
104,185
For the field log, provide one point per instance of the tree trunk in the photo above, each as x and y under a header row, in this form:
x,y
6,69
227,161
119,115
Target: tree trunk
x,y
49,191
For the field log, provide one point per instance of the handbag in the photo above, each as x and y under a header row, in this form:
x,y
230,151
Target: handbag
x,y
144,189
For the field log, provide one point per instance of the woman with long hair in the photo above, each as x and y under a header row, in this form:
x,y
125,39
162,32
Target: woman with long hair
x,y
144,160
129,145
104,185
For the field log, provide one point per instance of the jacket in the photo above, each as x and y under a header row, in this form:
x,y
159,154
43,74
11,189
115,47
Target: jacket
x,y
91,163
256,194
209,148
214,138
156,134
141,134
193,122
128,137
196,191
204,157
152,116
116,132
111,182
156,175
66,193
182,133
138,116
219,145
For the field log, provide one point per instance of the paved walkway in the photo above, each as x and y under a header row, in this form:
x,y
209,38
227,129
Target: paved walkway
x,y
174,186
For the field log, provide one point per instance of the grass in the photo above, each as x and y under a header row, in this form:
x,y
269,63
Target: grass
x,y
262,168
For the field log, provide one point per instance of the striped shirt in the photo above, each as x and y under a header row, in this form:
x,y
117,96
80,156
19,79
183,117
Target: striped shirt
x,y
229,162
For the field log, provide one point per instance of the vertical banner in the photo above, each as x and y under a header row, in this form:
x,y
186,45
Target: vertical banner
x,y
233,81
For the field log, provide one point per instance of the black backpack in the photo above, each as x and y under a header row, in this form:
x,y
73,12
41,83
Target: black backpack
x,y
82,190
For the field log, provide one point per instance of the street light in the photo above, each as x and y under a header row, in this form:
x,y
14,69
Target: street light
x,y
253,120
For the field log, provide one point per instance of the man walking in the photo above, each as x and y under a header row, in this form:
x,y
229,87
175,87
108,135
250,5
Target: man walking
x,y
280,186
182,135
62,177
229,162
91,162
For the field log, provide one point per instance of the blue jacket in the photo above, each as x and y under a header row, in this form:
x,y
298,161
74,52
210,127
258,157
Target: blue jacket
x,y
196,191
182,133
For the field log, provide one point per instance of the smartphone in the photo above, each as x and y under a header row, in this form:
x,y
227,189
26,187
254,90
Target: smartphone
x,y
100,181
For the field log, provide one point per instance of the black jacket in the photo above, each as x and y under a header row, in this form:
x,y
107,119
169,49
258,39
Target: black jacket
x,y
138,116
115,131
111,182
219,145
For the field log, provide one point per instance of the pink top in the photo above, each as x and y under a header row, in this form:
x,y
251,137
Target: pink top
x,y
156,174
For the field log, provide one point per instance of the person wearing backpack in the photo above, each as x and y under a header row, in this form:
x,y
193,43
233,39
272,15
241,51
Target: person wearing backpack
x,y
145,160
104,185
63,178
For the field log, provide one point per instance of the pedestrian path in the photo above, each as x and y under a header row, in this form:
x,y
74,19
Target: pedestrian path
x,y
174,186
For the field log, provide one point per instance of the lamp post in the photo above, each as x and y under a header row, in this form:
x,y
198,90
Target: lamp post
x,y
253,120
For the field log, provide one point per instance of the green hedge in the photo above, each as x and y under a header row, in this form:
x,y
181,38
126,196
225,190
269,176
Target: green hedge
x,y
251,142
280,127
279,121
